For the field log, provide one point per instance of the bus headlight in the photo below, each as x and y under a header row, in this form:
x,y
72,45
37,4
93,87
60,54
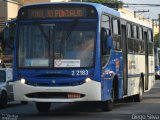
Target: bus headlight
x,y
87,80
23,81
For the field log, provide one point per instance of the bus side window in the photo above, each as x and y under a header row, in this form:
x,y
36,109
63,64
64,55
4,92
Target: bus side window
x,y
141,41
105,22
116,34
136,40
105,32
105,50
130,38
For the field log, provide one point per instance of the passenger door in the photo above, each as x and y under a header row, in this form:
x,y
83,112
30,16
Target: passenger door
x,y
146,60
125,61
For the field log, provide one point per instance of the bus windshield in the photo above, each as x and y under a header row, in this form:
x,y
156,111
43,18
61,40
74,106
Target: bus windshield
x,y
55,45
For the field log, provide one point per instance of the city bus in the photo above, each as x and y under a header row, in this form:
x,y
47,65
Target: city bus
x,y
80,52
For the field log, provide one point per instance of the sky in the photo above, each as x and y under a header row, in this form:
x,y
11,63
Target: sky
x,y
153,11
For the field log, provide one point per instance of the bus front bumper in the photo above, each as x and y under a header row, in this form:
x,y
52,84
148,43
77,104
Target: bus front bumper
x,y
89,91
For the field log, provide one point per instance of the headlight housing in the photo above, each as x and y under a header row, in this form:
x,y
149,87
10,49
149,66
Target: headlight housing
x,y
23,81
87,80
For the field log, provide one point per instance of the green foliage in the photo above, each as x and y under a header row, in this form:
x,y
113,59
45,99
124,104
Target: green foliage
x,y
156,40
156,37
100,1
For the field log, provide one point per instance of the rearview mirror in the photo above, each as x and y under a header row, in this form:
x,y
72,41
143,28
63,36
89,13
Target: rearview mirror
x,y
103,40
103,35
110,42
106,40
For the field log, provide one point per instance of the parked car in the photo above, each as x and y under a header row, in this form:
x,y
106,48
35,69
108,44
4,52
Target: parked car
x,y
157,72
6,86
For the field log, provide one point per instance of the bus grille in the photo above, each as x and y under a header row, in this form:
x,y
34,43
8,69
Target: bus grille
x,y
57,95
59,84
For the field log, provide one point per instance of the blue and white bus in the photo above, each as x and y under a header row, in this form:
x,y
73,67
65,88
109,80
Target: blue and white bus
x,y
78,52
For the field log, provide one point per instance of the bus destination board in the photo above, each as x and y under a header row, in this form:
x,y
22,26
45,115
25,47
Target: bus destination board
x,y
56,13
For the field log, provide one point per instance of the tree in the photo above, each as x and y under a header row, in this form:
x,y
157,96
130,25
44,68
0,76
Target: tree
x,y
156,40
100,1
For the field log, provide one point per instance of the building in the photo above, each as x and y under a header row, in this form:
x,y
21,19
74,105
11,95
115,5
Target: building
x,y
6,12
148,21
9,9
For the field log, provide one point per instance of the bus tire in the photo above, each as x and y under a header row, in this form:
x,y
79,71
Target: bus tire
x,y
116,89
139,97
24,102
3,99
129,99
43,106
108,105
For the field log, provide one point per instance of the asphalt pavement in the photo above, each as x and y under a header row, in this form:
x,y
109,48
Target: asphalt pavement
x,y
148,109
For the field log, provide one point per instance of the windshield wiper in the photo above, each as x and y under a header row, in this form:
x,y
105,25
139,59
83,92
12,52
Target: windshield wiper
x,y
74,24
42,31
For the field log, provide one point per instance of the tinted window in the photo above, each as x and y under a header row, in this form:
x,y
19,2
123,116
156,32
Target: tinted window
x,y
2,76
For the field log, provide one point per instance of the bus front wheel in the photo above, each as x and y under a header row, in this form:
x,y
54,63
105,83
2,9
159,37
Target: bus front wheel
x,y
108,105
43,106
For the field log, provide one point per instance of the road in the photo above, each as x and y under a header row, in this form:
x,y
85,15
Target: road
x,y
148,109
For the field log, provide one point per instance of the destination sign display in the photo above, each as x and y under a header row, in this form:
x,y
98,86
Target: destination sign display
x,y
56,13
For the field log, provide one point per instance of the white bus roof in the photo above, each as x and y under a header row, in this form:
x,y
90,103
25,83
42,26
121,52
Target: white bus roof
x,y
135,20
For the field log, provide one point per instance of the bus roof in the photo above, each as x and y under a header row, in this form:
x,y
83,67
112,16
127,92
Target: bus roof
x,y
99,7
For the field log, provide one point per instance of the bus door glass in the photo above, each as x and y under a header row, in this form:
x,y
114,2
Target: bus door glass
x,y
146,60
125,59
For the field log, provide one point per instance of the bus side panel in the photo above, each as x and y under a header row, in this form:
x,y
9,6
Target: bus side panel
x,y
132,86
120,84
151,72
136,66
114,67
106,87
